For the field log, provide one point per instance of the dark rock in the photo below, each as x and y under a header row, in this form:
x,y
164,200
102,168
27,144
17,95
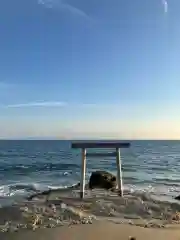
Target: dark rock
x,y
177,198
102,179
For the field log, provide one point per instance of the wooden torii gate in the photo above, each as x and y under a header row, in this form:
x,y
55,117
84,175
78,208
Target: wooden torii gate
x,y
85,145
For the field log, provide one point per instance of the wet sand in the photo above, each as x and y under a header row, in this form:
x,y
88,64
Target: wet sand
x,y
99,215
98,230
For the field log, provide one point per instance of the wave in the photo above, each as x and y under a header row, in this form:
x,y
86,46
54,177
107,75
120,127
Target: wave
x,y
27,189
37,167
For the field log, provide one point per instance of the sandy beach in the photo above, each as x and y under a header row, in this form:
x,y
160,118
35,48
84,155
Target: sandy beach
x,y
109,217
98,230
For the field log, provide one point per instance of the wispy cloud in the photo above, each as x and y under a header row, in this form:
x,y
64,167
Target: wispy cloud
x,y
36,104
47,104
60,4
165,6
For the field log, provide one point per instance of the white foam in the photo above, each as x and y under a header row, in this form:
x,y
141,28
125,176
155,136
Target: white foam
x,y
4,191
143,191
23,189
62,187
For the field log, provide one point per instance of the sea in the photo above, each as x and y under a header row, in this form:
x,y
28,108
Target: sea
x,y
149,168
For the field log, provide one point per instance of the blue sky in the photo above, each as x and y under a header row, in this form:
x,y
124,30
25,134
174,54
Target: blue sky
x,y
87,69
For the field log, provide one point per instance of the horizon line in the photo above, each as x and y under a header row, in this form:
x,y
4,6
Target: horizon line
x,y
82,139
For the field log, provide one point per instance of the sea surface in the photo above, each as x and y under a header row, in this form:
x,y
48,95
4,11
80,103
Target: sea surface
x,y
151,176
148,166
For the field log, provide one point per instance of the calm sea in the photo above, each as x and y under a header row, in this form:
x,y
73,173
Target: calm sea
x,y
26,166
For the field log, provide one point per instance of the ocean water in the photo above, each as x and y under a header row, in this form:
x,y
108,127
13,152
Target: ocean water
x,y
151,167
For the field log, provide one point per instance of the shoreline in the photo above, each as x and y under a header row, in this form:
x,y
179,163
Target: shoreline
x,y
61,210
99,229
58,209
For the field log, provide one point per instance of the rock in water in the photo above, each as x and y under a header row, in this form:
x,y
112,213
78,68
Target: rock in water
x,y
102,179
177,198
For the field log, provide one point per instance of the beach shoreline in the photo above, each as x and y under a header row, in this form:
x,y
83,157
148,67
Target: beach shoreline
x,y
61,210
99,229
101,214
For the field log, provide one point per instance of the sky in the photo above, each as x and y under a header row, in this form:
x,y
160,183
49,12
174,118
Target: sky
x,y
90,69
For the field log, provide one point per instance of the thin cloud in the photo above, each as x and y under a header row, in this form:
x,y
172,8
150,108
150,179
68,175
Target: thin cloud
x,y
74,10
59,4
58,104
36,104
47,3
165,5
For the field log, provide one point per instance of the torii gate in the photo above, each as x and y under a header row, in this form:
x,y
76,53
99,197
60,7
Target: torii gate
x,y
85,145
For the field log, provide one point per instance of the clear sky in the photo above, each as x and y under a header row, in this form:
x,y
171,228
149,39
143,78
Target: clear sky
x,y
90,68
